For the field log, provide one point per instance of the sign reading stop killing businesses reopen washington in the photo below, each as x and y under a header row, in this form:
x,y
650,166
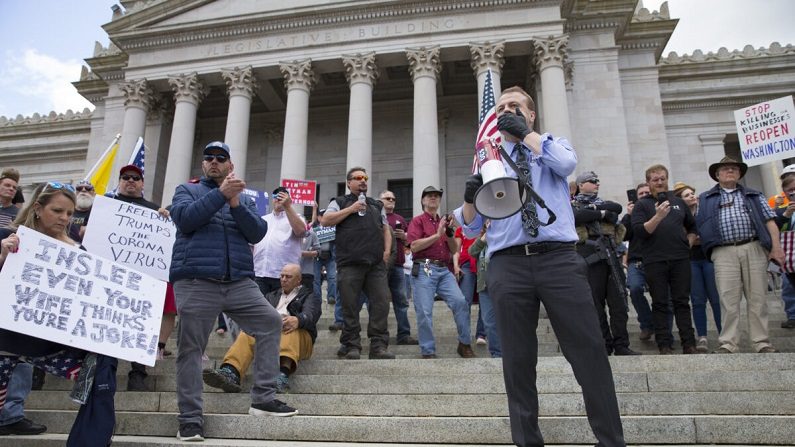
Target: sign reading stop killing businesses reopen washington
x,y
766,131
63,294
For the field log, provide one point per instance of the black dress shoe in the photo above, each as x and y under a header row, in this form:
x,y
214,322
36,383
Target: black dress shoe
x,y
23,426
623,350
408,341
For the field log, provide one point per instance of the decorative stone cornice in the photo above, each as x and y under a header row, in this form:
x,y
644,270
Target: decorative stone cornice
x,y
240,81
52,117
551,51
424,61
644,15
748,52
132,6
733,103
360,68
137,93
100,51
487,55
188,87
318,18
298,74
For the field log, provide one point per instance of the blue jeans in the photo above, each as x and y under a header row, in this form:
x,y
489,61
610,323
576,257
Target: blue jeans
x,y
331,277
400,304
703,290
17,392
442,282
467,284
490,323
636,279
788,296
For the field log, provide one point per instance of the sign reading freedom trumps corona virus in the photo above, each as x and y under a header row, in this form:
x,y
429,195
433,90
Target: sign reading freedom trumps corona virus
x,y
766,131
63,294
131,235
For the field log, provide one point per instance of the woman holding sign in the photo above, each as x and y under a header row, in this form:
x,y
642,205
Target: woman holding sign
x,y
48,213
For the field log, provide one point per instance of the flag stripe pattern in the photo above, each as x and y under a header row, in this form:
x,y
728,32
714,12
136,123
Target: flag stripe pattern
x,y
488,118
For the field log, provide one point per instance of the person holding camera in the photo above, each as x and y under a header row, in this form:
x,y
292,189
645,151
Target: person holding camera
x,y
739,234
599,234
432,241
667,230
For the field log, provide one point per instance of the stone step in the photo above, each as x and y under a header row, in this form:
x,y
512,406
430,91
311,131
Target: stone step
x,y
454,405
58,440
684,429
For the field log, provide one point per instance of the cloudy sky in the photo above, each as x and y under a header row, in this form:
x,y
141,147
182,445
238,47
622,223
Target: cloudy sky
x,y
43,42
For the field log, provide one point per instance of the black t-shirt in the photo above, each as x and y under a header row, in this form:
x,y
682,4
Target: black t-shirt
x,y
669,241
79,220
634,250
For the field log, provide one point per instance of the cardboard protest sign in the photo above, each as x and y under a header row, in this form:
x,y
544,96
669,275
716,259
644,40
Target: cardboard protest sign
x,y
766,131
131,235
63,294
326,234
302,192
260,199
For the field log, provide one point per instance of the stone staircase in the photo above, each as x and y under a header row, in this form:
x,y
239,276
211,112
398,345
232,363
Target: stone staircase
x,y
739,399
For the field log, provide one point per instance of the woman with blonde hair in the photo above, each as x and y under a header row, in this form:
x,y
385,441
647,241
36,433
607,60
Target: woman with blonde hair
x,y
702,278
49,213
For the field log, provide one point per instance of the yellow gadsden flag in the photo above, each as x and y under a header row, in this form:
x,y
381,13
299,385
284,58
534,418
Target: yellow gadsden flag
x,y
100,174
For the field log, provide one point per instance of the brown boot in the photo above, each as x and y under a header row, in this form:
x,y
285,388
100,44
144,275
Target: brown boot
x,y
465,351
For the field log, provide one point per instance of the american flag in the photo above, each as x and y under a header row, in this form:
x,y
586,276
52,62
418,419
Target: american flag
x,y
488,119
138,156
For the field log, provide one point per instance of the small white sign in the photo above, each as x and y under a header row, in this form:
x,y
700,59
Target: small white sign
x,y
63,294
766,131
131,235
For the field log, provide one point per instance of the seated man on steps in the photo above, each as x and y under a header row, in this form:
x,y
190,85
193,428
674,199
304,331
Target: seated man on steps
x,y
300,309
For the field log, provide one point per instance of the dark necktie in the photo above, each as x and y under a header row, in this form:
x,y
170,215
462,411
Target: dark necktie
x,y
530,220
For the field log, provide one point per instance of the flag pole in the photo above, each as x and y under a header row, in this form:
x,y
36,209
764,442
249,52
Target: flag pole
x,y
102,157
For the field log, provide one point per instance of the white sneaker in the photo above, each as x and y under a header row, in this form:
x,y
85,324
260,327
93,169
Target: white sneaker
x,y
480,341
702,345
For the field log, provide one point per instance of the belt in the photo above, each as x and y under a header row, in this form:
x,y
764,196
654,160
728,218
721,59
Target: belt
x,y
740,242
534,249
431,261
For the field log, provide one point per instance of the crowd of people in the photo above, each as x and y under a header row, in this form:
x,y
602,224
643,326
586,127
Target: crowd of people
x,y
576,253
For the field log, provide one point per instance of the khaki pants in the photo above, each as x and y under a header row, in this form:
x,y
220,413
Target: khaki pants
x,y
297,345
742,270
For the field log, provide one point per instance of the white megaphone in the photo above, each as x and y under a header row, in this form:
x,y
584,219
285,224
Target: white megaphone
x,y
500,196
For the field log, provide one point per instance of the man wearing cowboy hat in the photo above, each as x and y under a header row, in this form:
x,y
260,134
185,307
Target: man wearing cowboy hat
x,y
739,234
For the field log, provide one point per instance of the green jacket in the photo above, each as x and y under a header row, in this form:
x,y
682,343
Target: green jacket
x,y
478,251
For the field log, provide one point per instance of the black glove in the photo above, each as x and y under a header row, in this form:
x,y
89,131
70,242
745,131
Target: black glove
x,y
514,124
610,217
474,182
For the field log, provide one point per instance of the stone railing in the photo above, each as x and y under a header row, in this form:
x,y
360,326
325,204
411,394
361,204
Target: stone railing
x,y
43,119
749,52
644,15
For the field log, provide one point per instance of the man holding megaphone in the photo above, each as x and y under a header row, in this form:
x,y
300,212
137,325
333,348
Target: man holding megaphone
x,y
533,261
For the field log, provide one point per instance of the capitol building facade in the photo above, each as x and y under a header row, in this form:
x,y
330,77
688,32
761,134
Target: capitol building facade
x,y
309,88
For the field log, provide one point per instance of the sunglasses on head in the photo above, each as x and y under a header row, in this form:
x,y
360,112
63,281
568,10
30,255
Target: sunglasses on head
x,y
134,178
359,178
84,188
220,158
58,185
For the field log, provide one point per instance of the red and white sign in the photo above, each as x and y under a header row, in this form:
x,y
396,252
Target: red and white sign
x,y
766,131
302,192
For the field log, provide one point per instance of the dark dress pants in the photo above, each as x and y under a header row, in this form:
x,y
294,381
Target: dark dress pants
x,y
673,276
605,293
352,280
517,285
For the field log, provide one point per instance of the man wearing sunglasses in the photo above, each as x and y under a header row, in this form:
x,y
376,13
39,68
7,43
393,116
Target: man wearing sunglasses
x,y
85,200
364,243
212,269
599,234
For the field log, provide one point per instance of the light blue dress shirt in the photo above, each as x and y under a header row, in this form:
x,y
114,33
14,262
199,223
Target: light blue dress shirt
x,y
549,170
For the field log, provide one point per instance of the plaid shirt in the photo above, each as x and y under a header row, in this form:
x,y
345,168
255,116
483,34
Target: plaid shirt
x,y
734,216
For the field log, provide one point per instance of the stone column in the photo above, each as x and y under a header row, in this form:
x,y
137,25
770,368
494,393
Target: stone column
x,y
424,67
713,147
188,94
241,86
485,56
361,72
138,100
298,80
549,57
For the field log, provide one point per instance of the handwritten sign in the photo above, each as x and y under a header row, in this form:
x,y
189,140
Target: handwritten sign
x,y
766,131
131,235
63,294
302,192
325,234
260,199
